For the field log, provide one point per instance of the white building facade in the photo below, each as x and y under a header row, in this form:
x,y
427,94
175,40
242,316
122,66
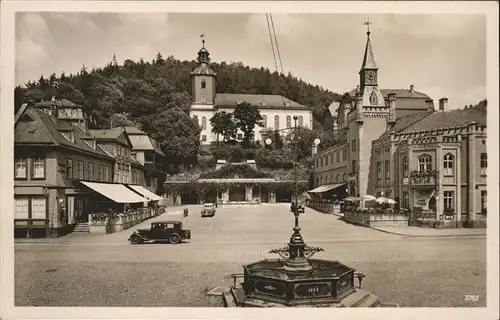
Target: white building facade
x,y
277,111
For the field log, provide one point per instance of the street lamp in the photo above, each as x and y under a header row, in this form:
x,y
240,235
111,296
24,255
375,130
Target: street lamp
x,y
316,142
268,141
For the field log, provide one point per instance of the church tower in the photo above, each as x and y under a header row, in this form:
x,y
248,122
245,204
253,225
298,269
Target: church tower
x,y
203,80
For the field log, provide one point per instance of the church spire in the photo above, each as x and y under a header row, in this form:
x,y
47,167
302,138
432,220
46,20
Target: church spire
x,y
368,59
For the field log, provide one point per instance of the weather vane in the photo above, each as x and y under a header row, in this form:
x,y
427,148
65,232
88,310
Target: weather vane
x,y
367,23
202,36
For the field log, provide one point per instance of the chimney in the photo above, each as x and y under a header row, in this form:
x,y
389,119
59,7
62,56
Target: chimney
x,y
430,104
392,109
443,104
412,89
359,106
54,110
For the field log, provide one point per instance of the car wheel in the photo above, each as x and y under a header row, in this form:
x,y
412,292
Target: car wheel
x,y
135,239
175,239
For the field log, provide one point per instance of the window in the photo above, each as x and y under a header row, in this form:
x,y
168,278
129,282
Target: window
x,y
484,198
134,177
406,200
331,178
317,182
344,155
90,171
204,137
38,208
203,84
101,173
106,174
301,121
387,167
326,160
353,145
276,122
38,168
424,162
337,156
69,168
321,180
80,169
203,123
240,136
448,199
21,168
448,164
288,121
317,163
343,177
21,210
264,121
379,170
405,167
353,168
337,178
484,161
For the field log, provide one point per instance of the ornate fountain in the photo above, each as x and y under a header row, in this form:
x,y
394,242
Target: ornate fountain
x,y
297,280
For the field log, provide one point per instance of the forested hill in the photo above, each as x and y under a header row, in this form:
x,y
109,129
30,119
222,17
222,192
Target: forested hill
x,y
145,89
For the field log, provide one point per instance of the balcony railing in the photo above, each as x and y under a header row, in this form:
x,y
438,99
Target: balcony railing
x,y
427,177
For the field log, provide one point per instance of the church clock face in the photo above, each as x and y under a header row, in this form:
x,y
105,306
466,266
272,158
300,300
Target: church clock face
x,y
371,77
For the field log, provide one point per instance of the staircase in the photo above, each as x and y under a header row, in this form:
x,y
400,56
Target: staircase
x,y
82,227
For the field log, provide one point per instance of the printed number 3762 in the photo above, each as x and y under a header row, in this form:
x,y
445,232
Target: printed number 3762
x,y
471,298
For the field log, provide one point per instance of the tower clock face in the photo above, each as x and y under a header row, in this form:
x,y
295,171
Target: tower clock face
x,y
371,76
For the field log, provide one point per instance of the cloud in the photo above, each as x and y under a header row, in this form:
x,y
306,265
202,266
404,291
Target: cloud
x,y
444,54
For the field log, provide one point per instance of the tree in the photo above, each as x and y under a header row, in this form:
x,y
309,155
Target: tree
x,y
122,120
247,116
178,135
223,124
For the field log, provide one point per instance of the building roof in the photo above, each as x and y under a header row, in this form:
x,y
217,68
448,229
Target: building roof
x,y
400,94
423,121
106,134
260,100
43,130
368,59
144,142
333,107
447,119
58,102
133,130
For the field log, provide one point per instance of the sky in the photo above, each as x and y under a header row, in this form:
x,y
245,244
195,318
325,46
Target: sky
x,y
441,55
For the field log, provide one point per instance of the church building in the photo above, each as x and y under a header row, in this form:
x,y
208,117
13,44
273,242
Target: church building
x,y
277,111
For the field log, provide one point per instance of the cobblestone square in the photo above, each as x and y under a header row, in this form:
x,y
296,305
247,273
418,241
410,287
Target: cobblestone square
x,y
105,270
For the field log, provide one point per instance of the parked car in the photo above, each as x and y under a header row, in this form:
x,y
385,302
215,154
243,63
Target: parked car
x,y
208,210
170,231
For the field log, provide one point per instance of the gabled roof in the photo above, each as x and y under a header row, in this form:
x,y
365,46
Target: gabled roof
x,y
44,131
333,107
112,134
406,121
262,101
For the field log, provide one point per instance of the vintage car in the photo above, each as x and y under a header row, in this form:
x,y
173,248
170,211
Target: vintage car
x,y
169,231
208,210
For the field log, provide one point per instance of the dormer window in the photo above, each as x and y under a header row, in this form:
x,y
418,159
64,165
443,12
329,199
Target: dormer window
x,y
69,135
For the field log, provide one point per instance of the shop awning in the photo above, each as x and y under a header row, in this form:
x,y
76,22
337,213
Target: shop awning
x,y
116,192
326,187
145,192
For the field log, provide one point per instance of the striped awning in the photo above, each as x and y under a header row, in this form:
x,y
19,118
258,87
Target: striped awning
x,y
326,187
116,192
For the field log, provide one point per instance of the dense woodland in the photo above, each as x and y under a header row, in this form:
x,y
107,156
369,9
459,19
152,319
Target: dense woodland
x,y
156,96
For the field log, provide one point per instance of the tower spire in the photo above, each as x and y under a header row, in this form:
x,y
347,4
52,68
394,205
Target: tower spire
x,y
368,59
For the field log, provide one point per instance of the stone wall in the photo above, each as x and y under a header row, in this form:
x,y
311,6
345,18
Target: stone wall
x,y
376,219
